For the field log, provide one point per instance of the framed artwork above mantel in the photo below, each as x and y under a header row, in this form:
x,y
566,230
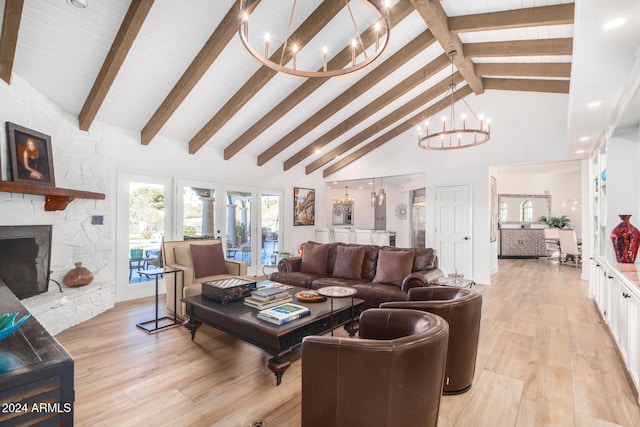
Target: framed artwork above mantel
x,y
30,156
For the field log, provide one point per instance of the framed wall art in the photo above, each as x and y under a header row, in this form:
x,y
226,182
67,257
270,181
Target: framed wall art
x,y
30,158
304,206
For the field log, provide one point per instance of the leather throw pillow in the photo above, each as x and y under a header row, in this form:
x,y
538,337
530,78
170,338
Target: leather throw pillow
x,y
208,260
349,262
393,266
314,258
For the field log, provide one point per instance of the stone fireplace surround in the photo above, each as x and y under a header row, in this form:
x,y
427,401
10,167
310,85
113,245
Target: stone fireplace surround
x,y
74,239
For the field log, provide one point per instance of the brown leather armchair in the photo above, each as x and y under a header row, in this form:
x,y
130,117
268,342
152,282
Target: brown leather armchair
x,y
461,308
391,376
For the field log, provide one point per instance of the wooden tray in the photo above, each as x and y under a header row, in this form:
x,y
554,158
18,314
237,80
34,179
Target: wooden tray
x,y
316,298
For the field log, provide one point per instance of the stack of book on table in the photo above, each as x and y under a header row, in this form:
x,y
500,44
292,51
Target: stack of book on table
x,y
284,313
267,297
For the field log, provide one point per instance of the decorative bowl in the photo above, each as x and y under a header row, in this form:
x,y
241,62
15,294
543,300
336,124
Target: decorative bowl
x,y
8,324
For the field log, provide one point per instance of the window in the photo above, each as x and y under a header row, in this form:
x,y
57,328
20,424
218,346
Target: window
x,y
503,212
199,212
526,211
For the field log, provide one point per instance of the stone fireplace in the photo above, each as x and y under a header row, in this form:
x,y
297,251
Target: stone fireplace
x,y
25,259
42,254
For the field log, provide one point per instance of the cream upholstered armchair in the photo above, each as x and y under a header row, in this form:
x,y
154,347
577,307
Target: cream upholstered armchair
x,y
204,263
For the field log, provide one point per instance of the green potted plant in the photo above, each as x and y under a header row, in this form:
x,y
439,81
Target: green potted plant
x,y
556,221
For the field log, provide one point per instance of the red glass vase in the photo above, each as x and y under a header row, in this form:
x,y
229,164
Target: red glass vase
x,y
625,238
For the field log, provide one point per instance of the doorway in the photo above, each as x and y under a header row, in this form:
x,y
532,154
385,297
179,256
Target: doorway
x,y
144,219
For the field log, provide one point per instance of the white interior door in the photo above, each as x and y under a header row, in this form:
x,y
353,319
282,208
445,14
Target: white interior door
x,y
453,229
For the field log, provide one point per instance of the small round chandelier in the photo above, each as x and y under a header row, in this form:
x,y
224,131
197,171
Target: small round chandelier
x,y
381,28
345,205
456,135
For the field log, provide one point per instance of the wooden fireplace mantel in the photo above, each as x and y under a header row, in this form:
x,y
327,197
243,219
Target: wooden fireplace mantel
x,y
56,198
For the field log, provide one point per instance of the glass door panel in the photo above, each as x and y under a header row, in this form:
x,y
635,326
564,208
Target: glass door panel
x,y
198,218
146,226
270,228
239,224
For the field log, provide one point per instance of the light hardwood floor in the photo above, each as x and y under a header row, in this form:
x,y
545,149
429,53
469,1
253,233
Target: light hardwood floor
x,y
545,359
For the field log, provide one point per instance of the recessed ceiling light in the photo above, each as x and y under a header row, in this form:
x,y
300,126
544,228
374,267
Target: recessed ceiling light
x,y
79,4
614,23
335,182
594,104
579,151
585,138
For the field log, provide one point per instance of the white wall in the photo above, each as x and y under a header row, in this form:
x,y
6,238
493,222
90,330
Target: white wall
x,y
93,160
513,140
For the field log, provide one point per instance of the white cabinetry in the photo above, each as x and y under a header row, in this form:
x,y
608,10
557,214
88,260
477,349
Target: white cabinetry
x,y
623,317
614,191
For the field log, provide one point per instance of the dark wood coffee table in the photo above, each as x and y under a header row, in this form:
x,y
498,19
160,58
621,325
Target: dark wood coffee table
x,y
240,321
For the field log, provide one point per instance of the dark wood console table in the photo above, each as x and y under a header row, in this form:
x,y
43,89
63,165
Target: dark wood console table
x,y
36,373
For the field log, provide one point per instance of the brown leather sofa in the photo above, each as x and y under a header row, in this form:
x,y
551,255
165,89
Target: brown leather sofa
x,y
391,376
365,277
461,308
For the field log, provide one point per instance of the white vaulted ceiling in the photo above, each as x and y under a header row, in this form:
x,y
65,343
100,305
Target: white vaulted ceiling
x,y
60,51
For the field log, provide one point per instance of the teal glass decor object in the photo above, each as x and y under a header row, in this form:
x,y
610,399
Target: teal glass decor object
x,y
603,174
7,325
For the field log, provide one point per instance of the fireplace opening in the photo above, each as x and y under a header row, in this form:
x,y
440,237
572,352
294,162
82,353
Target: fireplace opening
x,y
25,259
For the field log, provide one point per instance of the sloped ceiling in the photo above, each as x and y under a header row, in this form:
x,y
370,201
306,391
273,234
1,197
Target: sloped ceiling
x,y
178,70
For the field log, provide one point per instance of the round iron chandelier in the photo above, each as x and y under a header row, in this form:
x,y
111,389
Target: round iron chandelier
x,y
361,55
456,135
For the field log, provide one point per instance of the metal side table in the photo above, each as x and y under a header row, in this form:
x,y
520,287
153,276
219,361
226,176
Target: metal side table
x,y
332,292
173,321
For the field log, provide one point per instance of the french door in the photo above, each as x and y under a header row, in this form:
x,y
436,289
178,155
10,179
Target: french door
x,y
144,219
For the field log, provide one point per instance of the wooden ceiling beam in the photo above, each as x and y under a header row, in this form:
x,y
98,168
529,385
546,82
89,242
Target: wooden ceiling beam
x,y
380,102
407,52
438,22
530,69
424,98
303,34
219,39
133,20
9,37
401,128
400,11
561,46
560,14
528,85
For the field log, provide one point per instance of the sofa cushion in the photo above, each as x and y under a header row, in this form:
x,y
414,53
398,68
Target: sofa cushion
x,y
349,262
314,258
208,260
423,259
183,256
370,261
295,278
393,266
375,294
